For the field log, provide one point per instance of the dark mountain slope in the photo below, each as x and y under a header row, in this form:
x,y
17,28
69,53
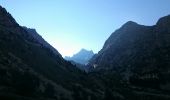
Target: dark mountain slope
x,y
32,69
33,35
140,54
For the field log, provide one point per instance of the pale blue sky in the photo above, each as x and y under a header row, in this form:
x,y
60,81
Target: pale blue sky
x,y
70,25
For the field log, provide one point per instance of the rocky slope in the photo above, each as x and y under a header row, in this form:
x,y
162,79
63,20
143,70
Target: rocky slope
x,y
140,54
34,36
31,69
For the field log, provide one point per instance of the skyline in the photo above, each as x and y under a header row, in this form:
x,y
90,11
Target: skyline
x,y
72,25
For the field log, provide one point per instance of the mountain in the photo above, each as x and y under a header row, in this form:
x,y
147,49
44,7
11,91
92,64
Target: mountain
x,y
139,54
31,69
82,57
28,68
33,35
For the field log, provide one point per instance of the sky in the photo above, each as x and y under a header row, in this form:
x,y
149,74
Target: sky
x,y
70,25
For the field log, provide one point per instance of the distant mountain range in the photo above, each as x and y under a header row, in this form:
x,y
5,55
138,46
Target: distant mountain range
x,y
82,57
134,64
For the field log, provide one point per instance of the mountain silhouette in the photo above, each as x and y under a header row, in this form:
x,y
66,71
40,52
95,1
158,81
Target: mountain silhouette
x,y
31,69
140,54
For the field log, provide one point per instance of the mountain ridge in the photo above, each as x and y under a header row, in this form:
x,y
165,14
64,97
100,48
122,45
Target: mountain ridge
x,y
35,36
81,57
140,54
29,69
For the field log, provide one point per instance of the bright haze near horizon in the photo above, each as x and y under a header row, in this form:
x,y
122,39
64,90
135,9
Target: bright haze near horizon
x,y
70,25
